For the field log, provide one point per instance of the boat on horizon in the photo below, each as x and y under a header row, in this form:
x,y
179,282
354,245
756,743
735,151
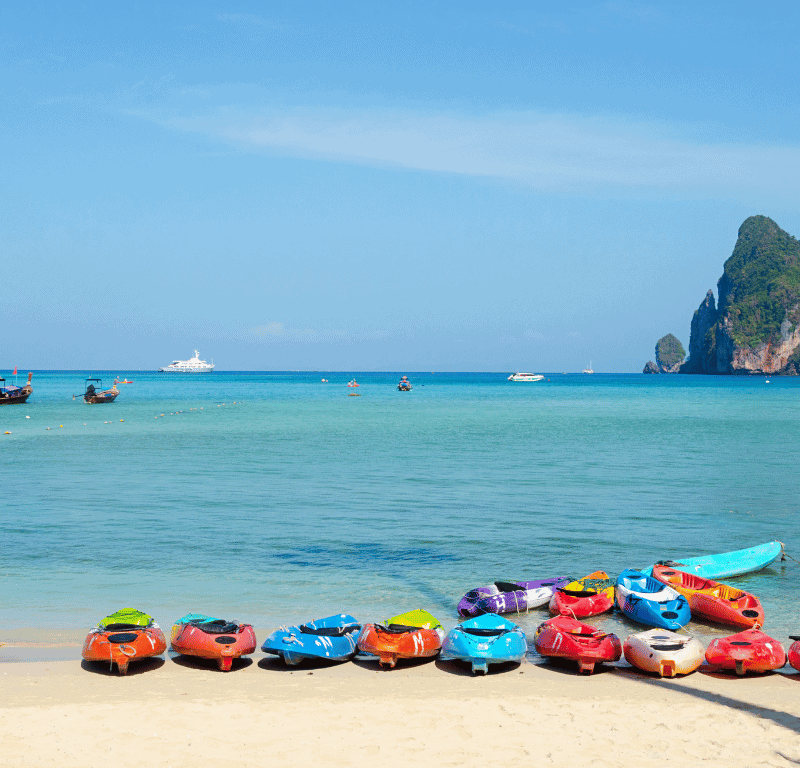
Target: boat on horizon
x,y
589,369
13,394
192,365
525,377
404,385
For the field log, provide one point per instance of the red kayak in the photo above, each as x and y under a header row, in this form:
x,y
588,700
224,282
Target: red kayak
x,y
568,638
219,640
712,600
589,596
794,652
748,651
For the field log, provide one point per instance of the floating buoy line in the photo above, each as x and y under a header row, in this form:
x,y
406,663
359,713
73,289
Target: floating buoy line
x,y
161,415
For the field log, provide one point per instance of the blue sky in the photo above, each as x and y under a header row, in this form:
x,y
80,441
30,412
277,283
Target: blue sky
x,y
414,186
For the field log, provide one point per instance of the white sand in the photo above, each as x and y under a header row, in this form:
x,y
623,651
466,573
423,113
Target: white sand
x,y
60,714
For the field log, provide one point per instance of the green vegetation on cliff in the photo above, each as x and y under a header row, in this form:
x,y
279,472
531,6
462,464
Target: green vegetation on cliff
x,y
760,286
669,351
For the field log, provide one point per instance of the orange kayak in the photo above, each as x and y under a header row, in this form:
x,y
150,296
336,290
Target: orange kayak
x,y
589,596
216,639
123,637
411,635
712,600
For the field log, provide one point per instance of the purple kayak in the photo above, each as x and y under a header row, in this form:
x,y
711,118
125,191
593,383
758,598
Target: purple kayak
x,y
510,596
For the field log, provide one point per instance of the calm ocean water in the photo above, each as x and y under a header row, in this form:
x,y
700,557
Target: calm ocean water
x,y
274,497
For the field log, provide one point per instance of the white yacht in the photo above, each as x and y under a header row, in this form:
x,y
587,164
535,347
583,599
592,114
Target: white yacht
x,y
589,369
525,377
193,365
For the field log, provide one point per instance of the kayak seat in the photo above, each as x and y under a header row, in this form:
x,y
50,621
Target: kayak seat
x,y
579,592
740,642
121,627
396,629
123,637
483,632
508,586
328,631
666,646
669,614
216,627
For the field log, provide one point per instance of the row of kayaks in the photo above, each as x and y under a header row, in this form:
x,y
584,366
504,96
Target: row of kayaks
x,y
668,599
130,635
666,595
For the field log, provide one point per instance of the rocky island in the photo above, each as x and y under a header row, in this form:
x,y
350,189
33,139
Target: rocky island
x,y
669,356
753,329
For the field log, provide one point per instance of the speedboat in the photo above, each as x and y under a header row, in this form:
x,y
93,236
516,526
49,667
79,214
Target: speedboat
x,y
525,377
192,365
12,394
125,636
404,385
330,639
484,640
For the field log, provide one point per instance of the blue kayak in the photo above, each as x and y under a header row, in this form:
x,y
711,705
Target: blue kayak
x,y
483,640
647,601
332,638
727,564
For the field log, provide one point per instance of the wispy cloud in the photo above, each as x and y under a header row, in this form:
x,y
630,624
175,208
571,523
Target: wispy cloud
x,y
275,331
553,152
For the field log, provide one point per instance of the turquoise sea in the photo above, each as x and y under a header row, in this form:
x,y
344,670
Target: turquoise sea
x,y
274,497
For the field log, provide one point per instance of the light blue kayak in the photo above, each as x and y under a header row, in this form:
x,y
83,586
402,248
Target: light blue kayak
x,y
727,564
483,640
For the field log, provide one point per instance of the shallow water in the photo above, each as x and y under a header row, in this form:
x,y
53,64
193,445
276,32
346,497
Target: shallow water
x,y
275,498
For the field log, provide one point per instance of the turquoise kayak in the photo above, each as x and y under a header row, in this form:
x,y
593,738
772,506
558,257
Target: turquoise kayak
x,y
727,564
483,640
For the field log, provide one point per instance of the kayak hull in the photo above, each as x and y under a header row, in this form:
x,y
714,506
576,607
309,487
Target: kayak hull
x,y
217,641
484,640
509,597
566,638
648,601
748,651
713,601
728,564
663,653
122,644
794,654
589,596
330,639
411,635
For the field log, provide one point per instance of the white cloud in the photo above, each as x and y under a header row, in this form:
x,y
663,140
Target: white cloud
x,y
552,152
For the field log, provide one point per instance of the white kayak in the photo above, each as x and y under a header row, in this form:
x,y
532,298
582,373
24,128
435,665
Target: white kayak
x,y
663,652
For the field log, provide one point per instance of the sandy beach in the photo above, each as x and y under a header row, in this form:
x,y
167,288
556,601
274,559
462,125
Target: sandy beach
x,y
177,712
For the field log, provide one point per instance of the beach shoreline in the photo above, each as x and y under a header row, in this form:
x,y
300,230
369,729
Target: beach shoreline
x,y
176,712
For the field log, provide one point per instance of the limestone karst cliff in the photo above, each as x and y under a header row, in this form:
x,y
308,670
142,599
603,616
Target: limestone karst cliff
x,y
753,328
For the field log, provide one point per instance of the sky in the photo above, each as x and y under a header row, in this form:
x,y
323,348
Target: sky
x,y
442,186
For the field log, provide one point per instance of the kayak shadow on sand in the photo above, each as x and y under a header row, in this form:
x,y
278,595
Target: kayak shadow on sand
x,y
210,665
371,662
277,664
135,668
464,668
568,667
